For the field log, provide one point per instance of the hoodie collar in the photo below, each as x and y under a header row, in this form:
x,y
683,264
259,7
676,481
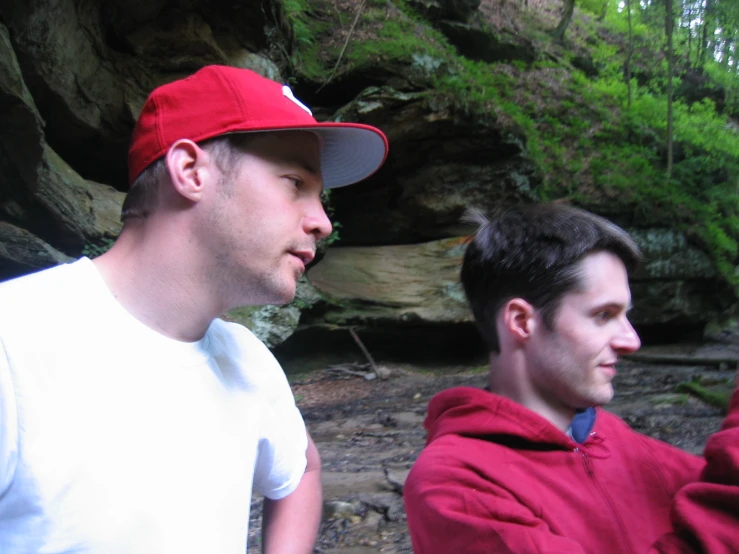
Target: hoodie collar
x,y
474,412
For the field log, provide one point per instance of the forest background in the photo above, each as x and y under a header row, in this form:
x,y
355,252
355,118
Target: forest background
x,y
634,101
627,108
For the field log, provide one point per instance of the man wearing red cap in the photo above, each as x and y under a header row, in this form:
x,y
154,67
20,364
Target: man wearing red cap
x,y
132,419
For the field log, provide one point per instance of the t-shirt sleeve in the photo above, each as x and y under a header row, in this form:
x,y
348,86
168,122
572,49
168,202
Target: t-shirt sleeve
x,y
281,455
8,423
283,441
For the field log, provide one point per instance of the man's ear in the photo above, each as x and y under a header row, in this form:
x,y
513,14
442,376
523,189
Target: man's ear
x,y
190,168
518,319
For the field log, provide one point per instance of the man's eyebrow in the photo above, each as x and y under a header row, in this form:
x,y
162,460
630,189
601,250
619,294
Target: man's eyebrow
x,y
614,305
301,163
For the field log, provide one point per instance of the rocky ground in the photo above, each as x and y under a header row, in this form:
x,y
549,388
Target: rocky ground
x,y
369,432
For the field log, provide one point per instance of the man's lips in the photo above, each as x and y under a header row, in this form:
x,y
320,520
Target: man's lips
x,y
305,256
609,367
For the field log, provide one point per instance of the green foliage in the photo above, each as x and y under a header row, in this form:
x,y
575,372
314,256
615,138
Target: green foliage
x,y
622,151
617,20
397,39
377,38
587,144
306,32
715,396
297,12
729,80
309,62
595,7
93,250
334,236
671,400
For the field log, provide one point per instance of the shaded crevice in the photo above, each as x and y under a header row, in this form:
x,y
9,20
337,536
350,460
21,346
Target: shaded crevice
x,y
320,347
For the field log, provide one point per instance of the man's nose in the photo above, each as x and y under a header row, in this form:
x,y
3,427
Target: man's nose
x,y
317,223
627,340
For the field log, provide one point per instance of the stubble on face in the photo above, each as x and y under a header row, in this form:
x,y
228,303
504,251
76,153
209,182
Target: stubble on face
x,y
567,373
254,223
572,364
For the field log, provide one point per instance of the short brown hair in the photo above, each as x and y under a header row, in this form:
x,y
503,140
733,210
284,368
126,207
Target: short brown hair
x,y
141,200
534,252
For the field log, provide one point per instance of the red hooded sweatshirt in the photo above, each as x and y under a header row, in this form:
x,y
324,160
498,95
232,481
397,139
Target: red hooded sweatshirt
x,y
496,477
706,512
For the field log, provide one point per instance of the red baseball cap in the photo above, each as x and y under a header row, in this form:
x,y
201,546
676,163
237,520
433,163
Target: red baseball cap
x,y
217,100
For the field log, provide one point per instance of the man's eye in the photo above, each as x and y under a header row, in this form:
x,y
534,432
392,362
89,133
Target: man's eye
x,y
296,181
603,316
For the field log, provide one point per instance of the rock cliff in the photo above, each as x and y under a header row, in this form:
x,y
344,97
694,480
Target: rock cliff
x,y
74,74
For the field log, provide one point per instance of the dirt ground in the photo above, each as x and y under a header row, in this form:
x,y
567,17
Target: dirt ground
x,y
369,432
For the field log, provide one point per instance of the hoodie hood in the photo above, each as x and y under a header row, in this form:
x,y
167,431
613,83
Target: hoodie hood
x,y
472,412
496,477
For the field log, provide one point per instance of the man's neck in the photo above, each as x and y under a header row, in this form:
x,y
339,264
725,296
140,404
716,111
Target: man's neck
x,y
511,380
157,285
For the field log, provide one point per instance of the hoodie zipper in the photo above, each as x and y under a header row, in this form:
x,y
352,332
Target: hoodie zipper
x,y
589,469
586,462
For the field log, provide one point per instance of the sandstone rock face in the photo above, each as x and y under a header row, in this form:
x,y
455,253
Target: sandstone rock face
x,y
40,192
669,256
676,287
441,162
455,10
21,134
271,324
21,252
274,324
82,211
392,285
77,88
478,43
406,285
90,65
75,73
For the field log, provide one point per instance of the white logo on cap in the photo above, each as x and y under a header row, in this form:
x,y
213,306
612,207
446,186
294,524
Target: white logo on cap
x,y
289,94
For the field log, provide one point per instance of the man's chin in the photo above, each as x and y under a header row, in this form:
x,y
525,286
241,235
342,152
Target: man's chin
x,y
282,300
605,397
276,296
286,295
597,398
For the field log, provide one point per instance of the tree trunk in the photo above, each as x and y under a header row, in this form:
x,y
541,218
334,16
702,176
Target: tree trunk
x,y
669,21
569,9
603,11
629,54
729,36
705,39
689,30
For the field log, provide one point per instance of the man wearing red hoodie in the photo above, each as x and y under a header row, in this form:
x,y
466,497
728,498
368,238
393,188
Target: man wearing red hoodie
x,y
533,465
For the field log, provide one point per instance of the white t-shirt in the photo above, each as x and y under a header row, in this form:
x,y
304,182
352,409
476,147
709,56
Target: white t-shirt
x,y
116,439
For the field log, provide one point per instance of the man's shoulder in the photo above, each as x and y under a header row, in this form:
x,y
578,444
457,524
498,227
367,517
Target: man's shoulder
x,y
616,429
457,462
610,422
236,335
255,362
42,288
48,300
40,282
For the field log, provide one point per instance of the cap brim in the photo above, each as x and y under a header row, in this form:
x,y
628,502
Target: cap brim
x,y
351,152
